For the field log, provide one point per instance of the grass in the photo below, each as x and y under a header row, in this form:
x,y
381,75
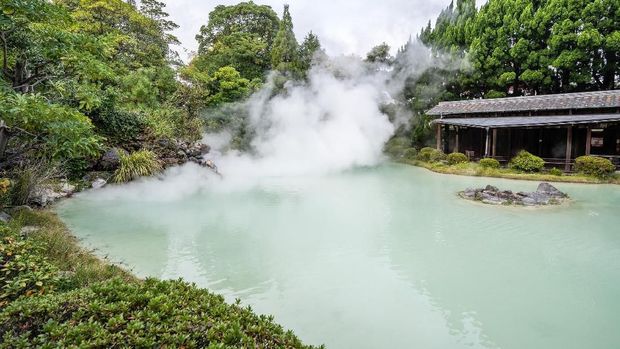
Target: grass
x,y
475,170
62,249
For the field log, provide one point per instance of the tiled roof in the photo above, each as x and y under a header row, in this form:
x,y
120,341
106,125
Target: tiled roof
x,y
528,121
579,100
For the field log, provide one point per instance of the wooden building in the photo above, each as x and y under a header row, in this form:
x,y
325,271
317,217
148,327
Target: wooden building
x,y
558,128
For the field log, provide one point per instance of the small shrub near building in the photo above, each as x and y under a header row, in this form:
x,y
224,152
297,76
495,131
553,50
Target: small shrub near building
x,y
410,153
527,162
594,166
555,172
429,154
489,163
457,158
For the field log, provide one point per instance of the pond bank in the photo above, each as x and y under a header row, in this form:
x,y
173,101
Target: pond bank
x,y
474,170
51,279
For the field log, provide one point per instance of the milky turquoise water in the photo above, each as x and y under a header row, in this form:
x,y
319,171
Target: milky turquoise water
x,y
386,257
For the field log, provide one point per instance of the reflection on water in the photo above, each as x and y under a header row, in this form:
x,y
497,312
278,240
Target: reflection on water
x,y
384,257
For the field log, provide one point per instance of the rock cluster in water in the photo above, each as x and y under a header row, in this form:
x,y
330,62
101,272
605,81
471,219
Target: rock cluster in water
x,y
545,194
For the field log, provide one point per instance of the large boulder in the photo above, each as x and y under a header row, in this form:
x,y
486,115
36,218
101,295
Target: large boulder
x,y
549,190
111,159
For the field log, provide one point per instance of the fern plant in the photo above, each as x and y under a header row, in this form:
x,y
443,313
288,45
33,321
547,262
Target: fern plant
x,y
137,164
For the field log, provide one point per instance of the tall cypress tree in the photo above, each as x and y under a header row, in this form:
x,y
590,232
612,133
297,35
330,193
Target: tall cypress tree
x,y
285,53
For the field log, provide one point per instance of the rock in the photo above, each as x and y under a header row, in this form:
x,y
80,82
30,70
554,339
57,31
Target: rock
x,y
99,183
111,160
204,148
490,188
4,217
45,195
67,188
550,190
546,194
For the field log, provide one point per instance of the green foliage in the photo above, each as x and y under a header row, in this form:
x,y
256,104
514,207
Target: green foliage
x,y
396,147
524,161
489,163
380,54
457,158
23,271
137,164
62,132
285,54
556,172
428,154
410,153
240,36
594,166
309,50
119,125
147,314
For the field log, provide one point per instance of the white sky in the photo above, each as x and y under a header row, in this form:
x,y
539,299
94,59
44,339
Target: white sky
x,y
343,26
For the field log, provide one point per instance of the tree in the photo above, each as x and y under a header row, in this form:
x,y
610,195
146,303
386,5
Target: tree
x,y
245,17
285,55
308,51
380,54
240,36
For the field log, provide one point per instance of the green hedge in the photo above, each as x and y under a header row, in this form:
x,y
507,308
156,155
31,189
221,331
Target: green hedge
x,y
150,314
457,158
594,166
525,161
489,163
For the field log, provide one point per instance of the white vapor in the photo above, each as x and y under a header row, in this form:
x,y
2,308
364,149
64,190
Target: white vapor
x,y
331,123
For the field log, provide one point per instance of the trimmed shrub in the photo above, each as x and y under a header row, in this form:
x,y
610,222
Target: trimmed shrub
x,y
594,166
527,162
23,271
149,314
555,172
410,153
429,154
397,146
137,164
457,158
489,163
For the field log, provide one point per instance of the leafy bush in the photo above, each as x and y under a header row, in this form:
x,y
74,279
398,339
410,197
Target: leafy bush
x,y
555,172
489,163
137,164
119,125
594,166
397,146
23,271
525,161
457,158
152,313
63,133
429,154
410,153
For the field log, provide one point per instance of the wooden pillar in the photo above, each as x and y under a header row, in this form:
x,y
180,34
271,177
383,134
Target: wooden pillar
x,y
487,145
493,151
569,147
456,144
438,137
588,139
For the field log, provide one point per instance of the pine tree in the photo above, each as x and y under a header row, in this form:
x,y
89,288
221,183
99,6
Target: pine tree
x,y
285,54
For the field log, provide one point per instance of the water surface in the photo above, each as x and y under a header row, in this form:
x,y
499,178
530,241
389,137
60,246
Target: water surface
x,y
386,257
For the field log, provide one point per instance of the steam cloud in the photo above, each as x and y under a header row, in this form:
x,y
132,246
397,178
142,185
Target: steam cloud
x,y
331,123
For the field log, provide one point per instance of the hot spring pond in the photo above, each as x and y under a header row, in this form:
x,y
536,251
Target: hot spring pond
x,y
385,257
